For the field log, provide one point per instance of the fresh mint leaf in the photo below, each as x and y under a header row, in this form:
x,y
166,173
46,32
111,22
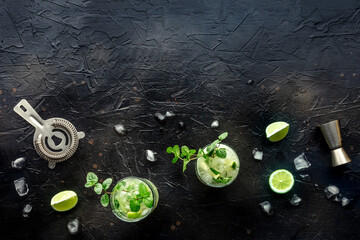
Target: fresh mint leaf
x,y
91,178
149,202
186,161
105,200
185,150
106,184
89,184
212,146
192,151
134,205
169,150
223,136
120,185
175,159
176,150
221,153
142,189
214,171
98,188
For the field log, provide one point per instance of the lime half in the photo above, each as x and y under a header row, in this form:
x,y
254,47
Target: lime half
x,y
64,201
281,181
277,131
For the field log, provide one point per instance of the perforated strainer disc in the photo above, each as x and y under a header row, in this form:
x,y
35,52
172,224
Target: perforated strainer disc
x,y
55,139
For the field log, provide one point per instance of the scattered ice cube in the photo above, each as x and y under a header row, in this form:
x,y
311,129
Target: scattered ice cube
x,y
170,114
120,128
295,200
215,124
345,201
258,155
26,210
73,226
150,155
21,186
305,177
250,82
331,191
338,198
266,207
18,163
160,118
181,125
301,162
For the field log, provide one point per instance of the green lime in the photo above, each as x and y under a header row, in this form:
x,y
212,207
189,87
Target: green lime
x,y
134,214
277,131
64,201
281,181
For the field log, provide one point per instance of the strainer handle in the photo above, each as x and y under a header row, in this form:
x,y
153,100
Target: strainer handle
x,y
24,109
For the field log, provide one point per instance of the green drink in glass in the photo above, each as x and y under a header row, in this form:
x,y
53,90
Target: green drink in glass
x,y
218,172
133,199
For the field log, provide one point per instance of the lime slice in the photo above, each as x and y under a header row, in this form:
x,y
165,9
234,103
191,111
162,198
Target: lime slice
x,y
134,214
277,131
281,181
64,201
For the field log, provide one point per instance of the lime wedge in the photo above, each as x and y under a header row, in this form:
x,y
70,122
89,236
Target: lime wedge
x,y
134,214
277,131
64,201
281,181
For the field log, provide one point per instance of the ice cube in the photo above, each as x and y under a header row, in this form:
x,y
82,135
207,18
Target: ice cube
x,y
338,198
120,128
160,118
301,162
345,201
331,191
21,186
215,124
26,210
181,125
295,200
305,177
266,207
150,155
170,114
18,163
250,82
258,155
73,226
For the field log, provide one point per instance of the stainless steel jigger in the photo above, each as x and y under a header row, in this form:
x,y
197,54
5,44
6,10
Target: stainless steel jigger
x,y
331,132
46,131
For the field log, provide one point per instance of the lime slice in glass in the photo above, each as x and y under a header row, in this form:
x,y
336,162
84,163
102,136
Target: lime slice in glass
x,y
277,131
64,201
281,181
134,214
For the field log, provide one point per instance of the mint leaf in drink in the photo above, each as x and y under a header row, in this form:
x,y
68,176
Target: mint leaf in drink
x,y
223,136
91,178
149,202
142,189
105,200
233,165
214,171
98,188
222,179
120,185
106,184
134,205
212,147
221,153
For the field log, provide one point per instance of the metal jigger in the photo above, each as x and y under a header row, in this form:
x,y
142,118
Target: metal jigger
x,y
331,132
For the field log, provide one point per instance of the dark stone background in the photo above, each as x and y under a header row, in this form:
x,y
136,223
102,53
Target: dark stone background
x,y
101,63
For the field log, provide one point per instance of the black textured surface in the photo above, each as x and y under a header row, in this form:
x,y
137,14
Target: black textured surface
x,y
101,63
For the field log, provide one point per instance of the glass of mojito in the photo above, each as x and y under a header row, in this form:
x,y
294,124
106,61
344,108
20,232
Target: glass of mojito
x,y
133,199
218,172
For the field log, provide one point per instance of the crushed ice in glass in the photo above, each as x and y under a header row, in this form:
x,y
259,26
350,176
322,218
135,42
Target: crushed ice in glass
x,y
345,201
160,118
26,210
215,124
150,155
266,207
170,114
301,162
18,163
121,129
21,186
295,200
258,155
305,177
331,191
73,226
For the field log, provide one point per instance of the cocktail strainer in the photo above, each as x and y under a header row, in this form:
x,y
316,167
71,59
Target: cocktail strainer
x,y
55,139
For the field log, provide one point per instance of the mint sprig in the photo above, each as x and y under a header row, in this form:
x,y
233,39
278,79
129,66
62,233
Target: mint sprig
x,y
186,155
92,180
